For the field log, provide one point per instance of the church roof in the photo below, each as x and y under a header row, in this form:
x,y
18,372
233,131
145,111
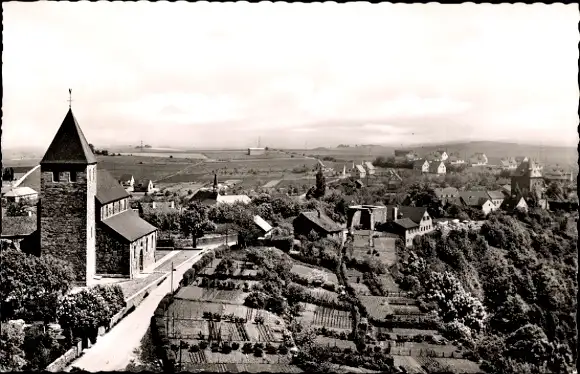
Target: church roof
x,y
69,145
129,225
108,189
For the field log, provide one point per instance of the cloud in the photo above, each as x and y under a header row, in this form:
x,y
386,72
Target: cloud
x,y
232,72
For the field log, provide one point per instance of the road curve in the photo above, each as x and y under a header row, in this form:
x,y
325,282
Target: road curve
x,y
114,350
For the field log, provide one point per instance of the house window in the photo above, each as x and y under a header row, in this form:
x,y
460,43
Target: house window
x,y
73,176
55,176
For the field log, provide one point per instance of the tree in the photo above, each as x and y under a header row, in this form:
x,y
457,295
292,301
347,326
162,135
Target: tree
x,y
320,189
11,340
194,221
30,286
16,209
84,312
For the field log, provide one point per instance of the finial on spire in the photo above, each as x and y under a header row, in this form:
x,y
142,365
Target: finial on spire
x,y
69,98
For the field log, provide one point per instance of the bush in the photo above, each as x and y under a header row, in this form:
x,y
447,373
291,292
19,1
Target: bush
x,y
258,352
283,350
226,348
203,344
235,346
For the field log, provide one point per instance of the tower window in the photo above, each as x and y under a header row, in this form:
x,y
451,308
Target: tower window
x,y
55,176
73,176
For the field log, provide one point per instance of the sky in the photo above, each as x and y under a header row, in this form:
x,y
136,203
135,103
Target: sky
x,y
206,75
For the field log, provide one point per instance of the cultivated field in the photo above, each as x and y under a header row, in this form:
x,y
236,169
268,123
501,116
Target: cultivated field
x,y
318,316
355,280
409,363
385,246
142,167
449,365
376,306
306,271
234,357
191,156
332,342
225,155
212,294
241,368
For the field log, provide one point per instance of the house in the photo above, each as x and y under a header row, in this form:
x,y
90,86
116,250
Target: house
x,y
360,171
265,227
232,199
256,151
21,194
84,215
205,197
513,203
478,200
447,195
557,174
409,222
365,217
437,167
18,232
527,179
478,159
421,165
497,198
323,225
370,168
128,182
157,206
508,163
506,189
441,155
144,185
455,160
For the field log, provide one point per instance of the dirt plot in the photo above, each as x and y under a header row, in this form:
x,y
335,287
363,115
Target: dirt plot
x,y
212,294
459,365
306,271
406,309
409,364
264,333
376,306
242,368
194,309
383,245
389,283
234,357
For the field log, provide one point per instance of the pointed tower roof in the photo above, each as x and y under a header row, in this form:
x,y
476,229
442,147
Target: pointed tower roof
x,y
69,145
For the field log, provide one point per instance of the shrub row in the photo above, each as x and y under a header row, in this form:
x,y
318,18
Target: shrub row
x,y
205,260
329,286
328,263
284,243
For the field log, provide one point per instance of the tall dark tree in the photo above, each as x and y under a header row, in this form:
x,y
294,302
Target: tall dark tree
x,y
320,185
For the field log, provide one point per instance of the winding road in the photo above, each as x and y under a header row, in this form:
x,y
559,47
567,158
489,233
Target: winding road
x,y
114,350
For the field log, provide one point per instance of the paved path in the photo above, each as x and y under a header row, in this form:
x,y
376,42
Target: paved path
x,y
114,350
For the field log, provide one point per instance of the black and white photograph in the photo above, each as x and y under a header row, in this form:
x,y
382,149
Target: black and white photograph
x,y
248,187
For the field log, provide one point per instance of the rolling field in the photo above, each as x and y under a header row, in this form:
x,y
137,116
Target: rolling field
x,y
241,155
142,167
191,156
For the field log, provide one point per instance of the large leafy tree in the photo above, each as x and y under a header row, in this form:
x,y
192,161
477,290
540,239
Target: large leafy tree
x,y
195,221
11,340
30,286
83,312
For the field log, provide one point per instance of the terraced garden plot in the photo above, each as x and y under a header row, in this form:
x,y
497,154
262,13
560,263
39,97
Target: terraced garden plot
x,y
212,294
263,333
237,357
242,368
376,306
322,294
406,310
424,349
394,300
194,309
459,365
306,271
389,283
409,363
409,332
332,342
332,318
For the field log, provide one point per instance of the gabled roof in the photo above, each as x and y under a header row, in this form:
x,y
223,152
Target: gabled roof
x,y
369,165
512,202
406,223
143,182
265,226
474,197
129,225
434,166
321,220
414,213
18,226
496,195
69,145
20,191
205,197
126,177
108,189
447,191
419,163
360,168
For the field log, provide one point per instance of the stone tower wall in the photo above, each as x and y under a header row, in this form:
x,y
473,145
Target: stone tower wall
x,y
67,215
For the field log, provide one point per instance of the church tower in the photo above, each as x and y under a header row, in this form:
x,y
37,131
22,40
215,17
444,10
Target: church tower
x,y
67,200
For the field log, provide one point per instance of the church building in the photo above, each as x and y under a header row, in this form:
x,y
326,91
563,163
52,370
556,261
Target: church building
x,y
84,216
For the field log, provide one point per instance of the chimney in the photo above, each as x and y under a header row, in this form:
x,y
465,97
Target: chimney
x,y
29,213
154,205
172,205
319,213
395,213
